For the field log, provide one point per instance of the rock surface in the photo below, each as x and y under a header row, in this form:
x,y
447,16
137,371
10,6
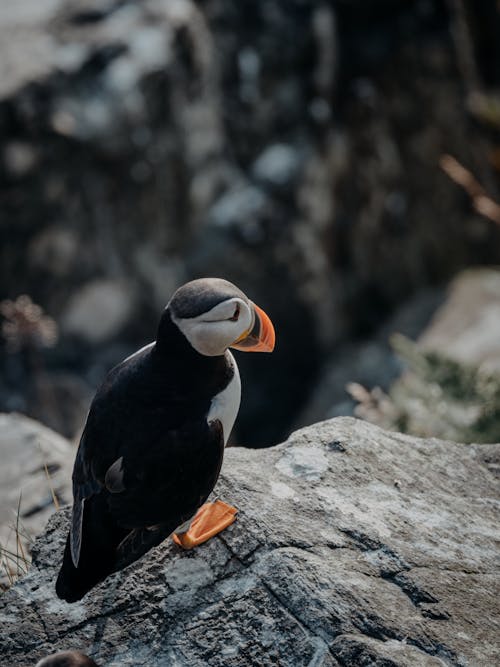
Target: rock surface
x,y
26,447
353,546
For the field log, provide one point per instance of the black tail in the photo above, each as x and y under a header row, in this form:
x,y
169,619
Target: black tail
x,y
105,548
100,539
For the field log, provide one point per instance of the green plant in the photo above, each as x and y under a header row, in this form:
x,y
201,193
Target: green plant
x,y
436,396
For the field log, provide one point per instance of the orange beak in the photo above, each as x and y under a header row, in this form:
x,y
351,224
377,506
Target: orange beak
x,y
260,338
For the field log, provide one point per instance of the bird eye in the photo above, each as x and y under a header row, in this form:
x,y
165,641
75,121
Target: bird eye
x,y
236,314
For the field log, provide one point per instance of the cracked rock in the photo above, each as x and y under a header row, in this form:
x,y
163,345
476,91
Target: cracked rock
x,y
339,567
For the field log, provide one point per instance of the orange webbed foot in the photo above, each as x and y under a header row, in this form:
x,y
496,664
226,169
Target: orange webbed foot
x,y
209,520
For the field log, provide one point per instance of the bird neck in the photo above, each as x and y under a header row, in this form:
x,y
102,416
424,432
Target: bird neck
x,y
174,348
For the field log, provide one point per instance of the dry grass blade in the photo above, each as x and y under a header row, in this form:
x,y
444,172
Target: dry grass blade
x,y
481,202
21,563
5,566
52,491
15,564
18,541
24,533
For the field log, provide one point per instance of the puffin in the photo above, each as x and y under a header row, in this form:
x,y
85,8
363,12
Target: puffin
x,y
67,659
153,442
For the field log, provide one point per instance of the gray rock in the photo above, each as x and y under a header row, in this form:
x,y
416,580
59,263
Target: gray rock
x,y
21,23
19,158
55,248
451,384
277,166
99,310
466,328
241,208
26,448
353,546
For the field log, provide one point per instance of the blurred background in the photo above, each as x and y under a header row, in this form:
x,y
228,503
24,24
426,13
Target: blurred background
x,y
339,161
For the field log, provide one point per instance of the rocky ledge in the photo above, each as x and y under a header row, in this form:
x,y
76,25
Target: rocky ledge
x,y
35,474
353,546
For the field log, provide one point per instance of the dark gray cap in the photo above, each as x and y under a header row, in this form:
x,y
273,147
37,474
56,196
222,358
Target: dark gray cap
x,y
200,296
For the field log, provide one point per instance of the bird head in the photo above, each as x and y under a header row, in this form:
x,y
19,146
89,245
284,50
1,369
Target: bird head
x,y
213,314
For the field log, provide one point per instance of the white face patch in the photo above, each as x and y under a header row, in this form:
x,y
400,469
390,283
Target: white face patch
x,y
211,333
225,406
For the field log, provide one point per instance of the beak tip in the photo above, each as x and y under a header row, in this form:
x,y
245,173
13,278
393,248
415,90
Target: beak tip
x,y
265,340
268,339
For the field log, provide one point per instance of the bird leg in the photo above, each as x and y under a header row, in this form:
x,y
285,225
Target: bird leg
x,y
210,519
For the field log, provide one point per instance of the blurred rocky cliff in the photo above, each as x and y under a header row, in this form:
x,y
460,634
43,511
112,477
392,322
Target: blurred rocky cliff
x,y
451,384
291,146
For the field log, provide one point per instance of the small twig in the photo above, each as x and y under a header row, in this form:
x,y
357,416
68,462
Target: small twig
x,y
54,496
21,548
17,558
481,202
18,541
11,556
24,532
47,475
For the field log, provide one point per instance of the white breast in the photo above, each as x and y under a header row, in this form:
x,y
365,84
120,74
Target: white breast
x,y
225,406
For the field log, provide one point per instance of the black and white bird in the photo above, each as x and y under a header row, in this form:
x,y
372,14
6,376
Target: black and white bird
x,y
152,447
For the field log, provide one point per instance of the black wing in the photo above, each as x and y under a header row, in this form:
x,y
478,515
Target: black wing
x,y
142,469
171,479
164,482
161,489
